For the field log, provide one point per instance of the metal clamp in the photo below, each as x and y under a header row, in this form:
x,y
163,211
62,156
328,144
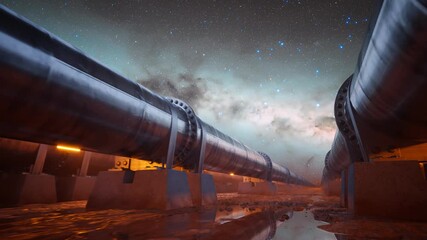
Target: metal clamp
x,y
202,149
172,138
268,173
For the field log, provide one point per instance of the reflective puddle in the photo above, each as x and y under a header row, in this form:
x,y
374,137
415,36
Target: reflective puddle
x,y
269,224
72,221
302,225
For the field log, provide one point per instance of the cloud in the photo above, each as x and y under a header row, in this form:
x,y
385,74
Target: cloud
x,y
281,125
325,123
236,108
186,87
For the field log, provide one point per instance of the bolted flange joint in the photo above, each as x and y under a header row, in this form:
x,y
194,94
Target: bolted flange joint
x,y
190,142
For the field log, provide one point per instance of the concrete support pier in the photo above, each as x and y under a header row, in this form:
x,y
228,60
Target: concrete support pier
x,y
202,189
226,183
155,189
74,188
332,187
20,189
27,188
288,188
262,188
392,189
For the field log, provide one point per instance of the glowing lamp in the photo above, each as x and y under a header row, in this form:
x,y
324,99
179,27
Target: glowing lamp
x,y
68,148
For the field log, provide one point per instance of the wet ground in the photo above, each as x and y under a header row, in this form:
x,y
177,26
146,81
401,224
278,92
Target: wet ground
x,y
298,214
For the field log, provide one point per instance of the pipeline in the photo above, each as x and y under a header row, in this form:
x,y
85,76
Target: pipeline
x,y
387,91
52,93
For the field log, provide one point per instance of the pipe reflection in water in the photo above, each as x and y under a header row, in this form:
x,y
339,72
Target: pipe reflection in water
x,y
229,214
71,220
270,224
260,224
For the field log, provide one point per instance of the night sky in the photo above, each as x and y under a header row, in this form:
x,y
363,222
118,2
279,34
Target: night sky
x,y
264,72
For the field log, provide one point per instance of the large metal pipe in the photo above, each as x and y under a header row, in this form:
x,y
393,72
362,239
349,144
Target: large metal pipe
x,y
391,80
52,93
388,89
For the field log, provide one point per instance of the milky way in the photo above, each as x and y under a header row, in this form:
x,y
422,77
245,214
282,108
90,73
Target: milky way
x,y
264,72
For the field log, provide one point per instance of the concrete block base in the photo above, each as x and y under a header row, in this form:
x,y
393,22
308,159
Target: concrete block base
x,y
20,189
285,187
155,189
393,190
261,188
74,188
332,187
202,189
225,183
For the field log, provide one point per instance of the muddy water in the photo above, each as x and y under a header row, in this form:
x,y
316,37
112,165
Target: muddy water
x,y
72,221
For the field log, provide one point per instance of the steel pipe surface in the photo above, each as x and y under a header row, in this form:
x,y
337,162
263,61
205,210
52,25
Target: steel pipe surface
x,y
337,159
52,93
388,88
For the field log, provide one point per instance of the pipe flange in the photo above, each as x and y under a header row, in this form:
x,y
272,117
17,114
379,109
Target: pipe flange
x,y
192,129
267,158
327,170
341,110
326,159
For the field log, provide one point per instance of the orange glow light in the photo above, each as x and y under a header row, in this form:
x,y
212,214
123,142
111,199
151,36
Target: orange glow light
x,y
231,174
68,148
